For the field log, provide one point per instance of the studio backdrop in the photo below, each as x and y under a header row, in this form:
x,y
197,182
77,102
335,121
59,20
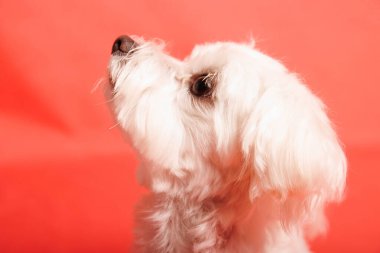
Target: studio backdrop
x,y
67,175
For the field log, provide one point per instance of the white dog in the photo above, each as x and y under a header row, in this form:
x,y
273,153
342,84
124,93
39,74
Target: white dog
x,y
238,154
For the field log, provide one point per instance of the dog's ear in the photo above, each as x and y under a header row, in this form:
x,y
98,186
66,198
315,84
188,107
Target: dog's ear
x,y
290,145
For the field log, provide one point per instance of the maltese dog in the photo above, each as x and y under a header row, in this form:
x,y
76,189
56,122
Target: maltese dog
x,y
237,153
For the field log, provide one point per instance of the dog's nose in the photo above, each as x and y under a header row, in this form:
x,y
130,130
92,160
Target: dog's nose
x,y
123,45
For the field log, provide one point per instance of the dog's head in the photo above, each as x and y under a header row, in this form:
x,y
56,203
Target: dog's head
x,y
225,114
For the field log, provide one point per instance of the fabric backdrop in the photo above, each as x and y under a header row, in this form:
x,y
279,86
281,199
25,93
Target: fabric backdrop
x,y
67,177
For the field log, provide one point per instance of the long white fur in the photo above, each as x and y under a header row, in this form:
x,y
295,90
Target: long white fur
x,y
250,171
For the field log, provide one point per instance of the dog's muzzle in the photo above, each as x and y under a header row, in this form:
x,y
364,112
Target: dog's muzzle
x,y
123,45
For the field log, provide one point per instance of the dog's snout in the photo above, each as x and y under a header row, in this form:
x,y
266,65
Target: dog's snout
x,y
123,45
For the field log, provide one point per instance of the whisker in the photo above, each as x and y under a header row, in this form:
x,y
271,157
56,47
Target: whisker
x,y
97,84
108,101
113,126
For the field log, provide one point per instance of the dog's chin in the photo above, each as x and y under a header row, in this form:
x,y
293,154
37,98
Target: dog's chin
x,y
110,83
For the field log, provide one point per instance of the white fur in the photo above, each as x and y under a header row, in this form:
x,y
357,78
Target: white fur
x,y
248,170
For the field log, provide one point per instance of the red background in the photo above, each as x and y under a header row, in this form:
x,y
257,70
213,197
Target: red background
x,y
67,179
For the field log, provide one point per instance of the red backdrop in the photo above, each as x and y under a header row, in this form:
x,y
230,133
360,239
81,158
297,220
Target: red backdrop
x,y
67,179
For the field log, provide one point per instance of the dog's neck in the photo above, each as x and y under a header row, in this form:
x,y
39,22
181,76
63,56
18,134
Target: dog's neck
x,y
187,220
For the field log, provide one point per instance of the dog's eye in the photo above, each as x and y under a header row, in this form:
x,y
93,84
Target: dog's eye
x,y
202,85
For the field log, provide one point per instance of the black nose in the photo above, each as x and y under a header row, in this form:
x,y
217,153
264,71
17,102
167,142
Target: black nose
x,y
123,45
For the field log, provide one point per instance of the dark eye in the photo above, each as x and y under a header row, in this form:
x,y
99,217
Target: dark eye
x,y
201,85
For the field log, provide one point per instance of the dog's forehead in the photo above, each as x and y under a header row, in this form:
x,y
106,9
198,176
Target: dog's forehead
x,y
218,48
217,55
